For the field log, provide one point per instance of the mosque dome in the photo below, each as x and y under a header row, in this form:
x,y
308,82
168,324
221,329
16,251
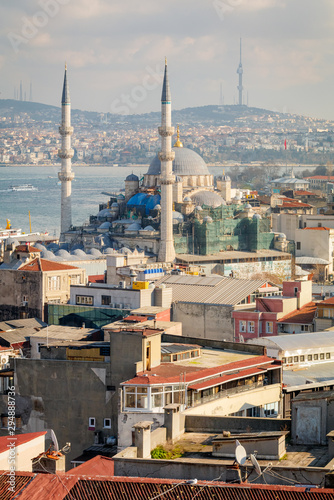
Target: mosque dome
x,y
186,162
157,207
132,177
257,216
115,205
177,217
95,252
105,225
104,213
209,198
134,227
148,228
207,219
199,208
187,198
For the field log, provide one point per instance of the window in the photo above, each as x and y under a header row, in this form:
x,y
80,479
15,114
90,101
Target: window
x,y
91,423
316,357
271,409
251,327
269,327
284,360
328,355
322,355
304,328
75,279
136,397
309,357
105,300
302,358
298,245
54,283
242,326
107,423
290,359
85,299
295,359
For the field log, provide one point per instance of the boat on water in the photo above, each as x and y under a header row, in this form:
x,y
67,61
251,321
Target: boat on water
x,y
9,232
23,187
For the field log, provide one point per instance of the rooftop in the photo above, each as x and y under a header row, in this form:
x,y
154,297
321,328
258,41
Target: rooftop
x,y
303,316
212,362
45,265
234,255
19,439
210,289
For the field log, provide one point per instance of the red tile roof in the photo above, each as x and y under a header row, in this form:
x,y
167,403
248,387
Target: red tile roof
x,y
26,248
318,228
136,319
73,487
294,204
302,192
97,466
227,378
327,302
45,265
303,316
170,372
321,177
97,278
19,439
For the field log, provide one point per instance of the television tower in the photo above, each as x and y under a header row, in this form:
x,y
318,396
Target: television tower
x,y
240,72
66,175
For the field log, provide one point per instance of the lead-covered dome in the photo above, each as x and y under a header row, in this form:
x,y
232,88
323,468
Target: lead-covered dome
x,y
208,198
186,162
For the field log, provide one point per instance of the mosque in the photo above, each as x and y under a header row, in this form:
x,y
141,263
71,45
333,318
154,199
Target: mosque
x,y
176,208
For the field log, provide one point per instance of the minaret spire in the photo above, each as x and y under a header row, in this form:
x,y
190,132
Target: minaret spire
x,y
166,156
66,175
240,72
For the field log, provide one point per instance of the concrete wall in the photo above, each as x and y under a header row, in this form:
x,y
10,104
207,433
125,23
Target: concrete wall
x,y
24,453
62,395
200,423
204,321
14,286
238,402
209,469
127,420
218,344
158,436
124,296
315,243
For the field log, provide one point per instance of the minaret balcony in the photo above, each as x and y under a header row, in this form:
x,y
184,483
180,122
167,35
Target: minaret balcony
x,y
166,131
63,130
166,155
65,176
65,154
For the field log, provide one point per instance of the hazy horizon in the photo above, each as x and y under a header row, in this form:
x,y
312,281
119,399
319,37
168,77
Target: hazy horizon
x,y
115,53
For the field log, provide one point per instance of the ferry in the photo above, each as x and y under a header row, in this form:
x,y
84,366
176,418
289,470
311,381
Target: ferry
x,y
23,187
9,232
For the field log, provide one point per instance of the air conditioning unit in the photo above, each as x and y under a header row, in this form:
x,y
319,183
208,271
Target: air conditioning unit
x,y
119,306
112,305
24,303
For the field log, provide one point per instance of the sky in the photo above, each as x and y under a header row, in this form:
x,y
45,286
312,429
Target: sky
x,y
115,52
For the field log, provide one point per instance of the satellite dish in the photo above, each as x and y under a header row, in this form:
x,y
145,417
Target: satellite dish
x,y
255,464
54,440
240,453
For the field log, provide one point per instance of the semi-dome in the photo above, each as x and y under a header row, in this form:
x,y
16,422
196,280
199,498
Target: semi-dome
x,y
186,162
104,213
209,198
207,219
149,228
132,177
105,225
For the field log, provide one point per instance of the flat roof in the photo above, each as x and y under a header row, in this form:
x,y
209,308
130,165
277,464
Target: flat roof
x,y
228,255
320,372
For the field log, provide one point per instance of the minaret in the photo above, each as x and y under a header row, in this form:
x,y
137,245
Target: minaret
x,y
66,175
166,156
240,72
